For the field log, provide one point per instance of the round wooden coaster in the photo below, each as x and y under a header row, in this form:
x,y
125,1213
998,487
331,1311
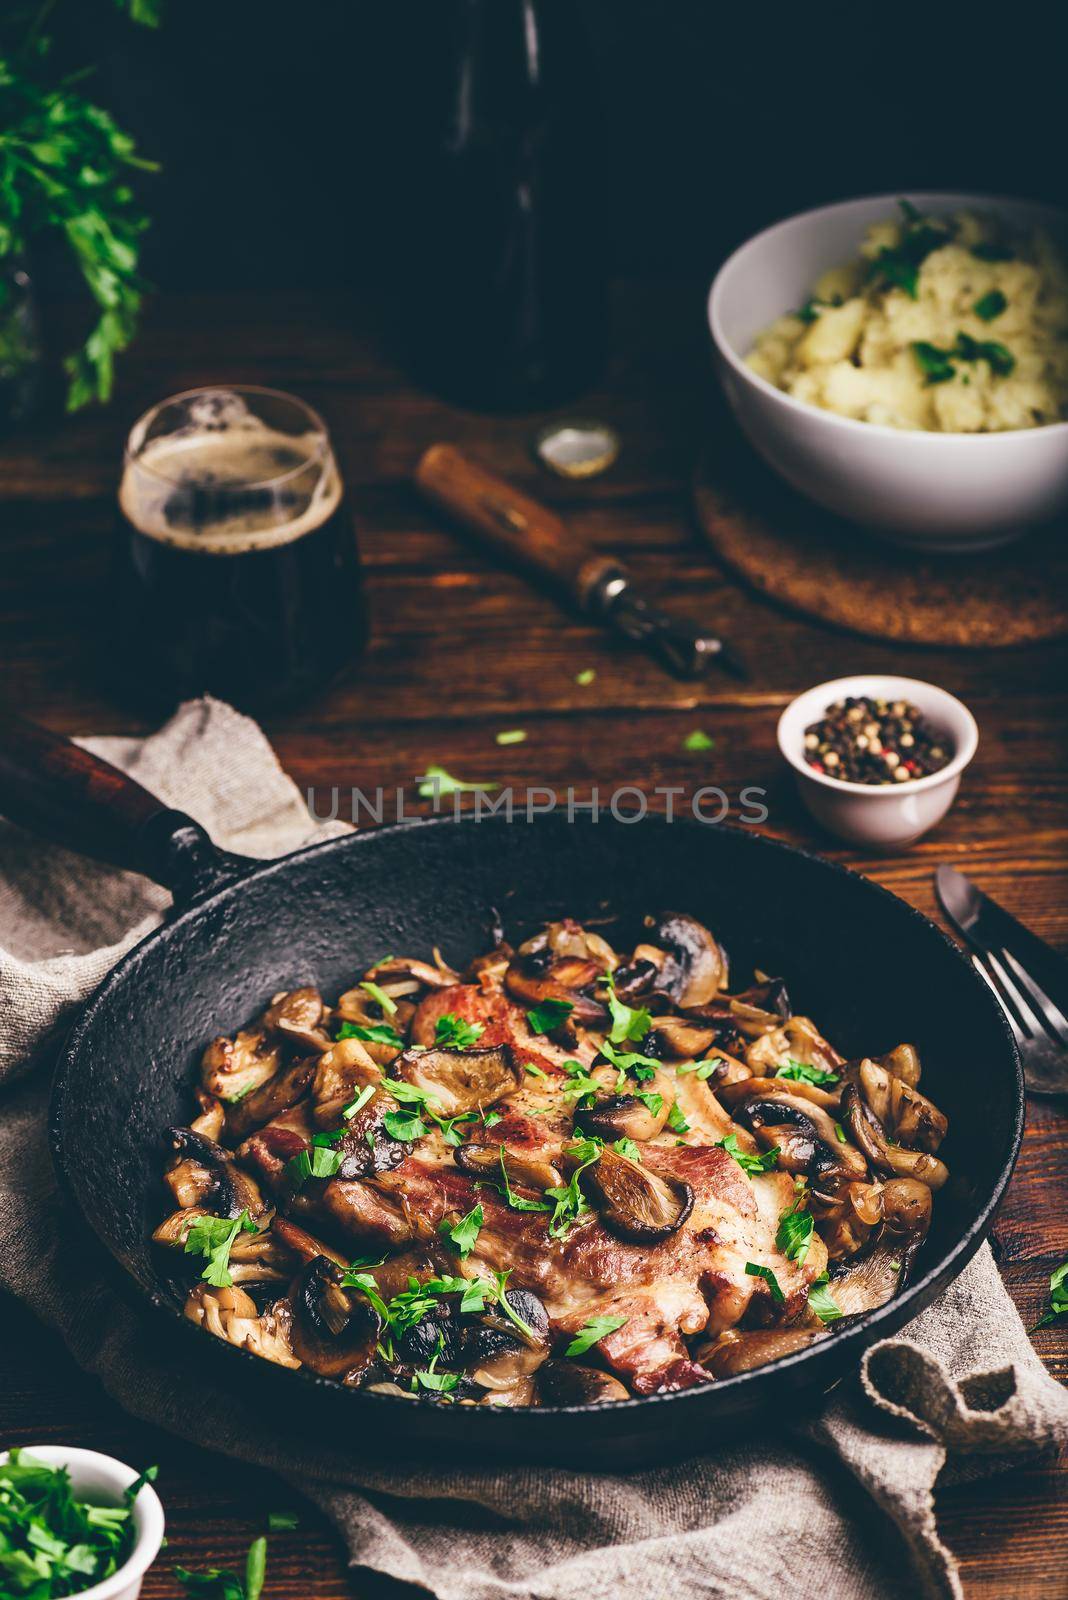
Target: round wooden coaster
x,y
803,557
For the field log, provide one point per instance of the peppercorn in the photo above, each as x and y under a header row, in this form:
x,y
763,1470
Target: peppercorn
x,y
872,741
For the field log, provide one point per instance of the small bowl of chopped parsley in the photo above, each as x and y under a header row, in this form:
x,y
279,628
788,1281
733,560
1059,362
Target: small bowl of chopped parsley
x,y
75,1522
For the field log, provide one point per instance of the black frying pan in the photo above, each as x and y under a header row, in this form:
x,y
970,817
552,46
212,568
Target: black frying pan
x,y
868,968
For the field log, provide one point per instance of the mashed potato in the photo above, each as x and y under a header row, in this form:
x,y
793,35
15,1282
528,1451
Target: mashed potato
x,y
944,324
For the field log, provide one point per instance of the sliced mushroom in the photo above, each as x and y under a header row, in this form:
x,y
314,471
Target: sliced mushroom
x,y
907,1206
460,1080
212,1118
622,1116
532,981
681,1038
339,1076
635,1203
231,1314
335,1331
766,995
797,1040
803,1132
847,1211
565,1383
497,1353
298,1016
906,1115
190,1182
173,1230
232,1189
388,974
301,1245
904,1062
637,979
733,1352
275,1096
696,968
569,938
524,1169
870,1137
230,1068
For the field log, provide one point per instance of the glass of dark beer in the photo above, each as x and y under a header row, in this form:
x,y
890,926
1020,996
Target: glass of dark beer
x,y
237,571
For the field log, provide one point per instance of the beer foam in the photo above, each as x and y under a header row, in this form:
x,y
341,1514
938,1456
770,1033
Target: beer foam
x,y
228,489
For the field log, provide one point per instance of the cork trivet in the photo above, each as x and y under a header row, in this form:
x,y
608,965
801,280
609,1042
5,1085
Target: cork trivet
x,y
805,558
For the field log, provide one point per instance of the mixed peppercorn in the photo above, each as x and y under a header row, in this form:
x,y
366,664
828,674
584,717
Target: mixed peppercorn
x,y
861,740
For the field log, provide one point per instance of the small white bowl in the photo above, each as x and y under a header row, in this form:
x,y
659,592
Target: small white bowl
x,y
880,817
102,1479
932,491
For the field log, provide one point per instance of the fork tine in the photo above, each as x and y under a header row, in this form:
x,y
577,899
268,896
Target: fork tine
x,y
1020,1004
1055,1020
1021,1038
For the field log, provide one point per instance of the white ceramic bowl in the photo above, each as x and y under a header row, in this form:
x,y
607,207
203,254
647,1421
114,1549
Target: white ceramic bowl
x,y
100,1478
934,491
880,817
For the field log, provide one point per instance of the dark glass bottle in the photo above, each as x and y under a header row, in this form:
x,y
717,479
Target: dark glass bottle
x,y
505,304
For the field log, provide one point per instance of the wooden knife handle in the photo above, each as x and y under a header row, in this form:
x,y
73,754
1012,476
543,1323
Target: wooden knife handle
x,y
507,523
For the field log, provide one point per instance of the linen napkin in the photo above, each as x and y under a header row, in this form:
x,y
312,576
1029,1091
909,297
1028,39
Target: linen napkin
x,y
840,1507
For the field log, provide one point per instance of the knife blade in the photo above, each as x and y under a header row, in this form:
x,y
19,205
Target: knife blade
x,y
509,523
987,926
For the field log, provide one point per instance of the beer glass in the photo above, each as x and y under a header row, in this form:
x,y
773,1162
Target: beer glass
x,y
236,568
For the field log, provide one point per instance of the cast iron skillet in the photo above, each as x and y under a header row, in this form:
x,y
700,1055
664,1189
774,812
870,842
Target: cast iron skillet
x,y
868,968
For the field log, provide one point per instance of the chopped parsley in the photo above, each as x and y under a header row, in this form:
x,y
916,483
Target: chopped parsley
x,y
511,736
453,1033
435,783
753,1270
581,1085
1058,1296
840,1133
407,1126
282,1521
463,1235
585,677
698,740
219,1583
365,1094
703,1069
627,1147
548,1016
933,362
53,1543
821,1302
389,1005
794,1233
801,1072
676,1121
318,1160
899,267
628,1022
376,1033
535,1072
570,1203
213,1237
432,1380
937,364
592,1333
990,305
651,1100
747,1162
624,1061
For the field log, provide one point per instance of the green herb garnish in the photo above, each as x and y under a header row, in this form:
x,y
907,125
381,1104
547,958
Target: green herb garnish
x,y
820,1301
213,1237
463,1235
1058,1296
627,1147
754,1270
365,1094
282,1521
436,783
52,1543
511,736
900,267
570,1203
628,1022
801,1072
535,1072
794,1234
388,1004
698,740
933,362
548,1016
585,677
703,1069
376,1033
676,1121
990,305
840,1133
317,1161
747,1162
453,1033
592,1333
937,364
516,1201
407,1126
632,1061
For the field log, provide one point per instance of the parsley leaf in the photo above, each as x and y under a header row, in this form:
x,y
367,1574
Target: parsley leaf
x,y
747,1162
990,305
453,1033
676,1121
49,1537
592,1332
698,740
570,1203
376,1033
628,1022
627,1147
213,1237
388,1004
404,1125
703,1069
463,1235
535,1072
1058,1296
753,1270
436,783
365,1094
653,1102
585,677
933,362
511,736
317,1161
282,1521
516,1201
794,1234
220,1584
549,1015
821,1302
801,1072
639,1066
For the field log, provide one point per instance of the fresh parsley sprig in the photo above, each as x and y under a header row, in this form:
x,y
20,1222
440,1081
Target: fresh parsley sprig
x,y
213,1237
51,1542
453,1033
1058,1297
220,1584
801,1072
628,1022
592,1332
748,1163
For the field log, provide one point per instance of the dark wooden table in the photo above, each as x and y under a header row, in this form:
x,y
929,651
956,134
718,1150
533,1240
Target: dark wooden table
x,y
461,651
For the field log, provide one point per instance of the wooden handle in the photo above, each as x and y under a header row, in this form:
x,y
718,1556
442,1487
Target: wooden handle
x,y
55,788
507,523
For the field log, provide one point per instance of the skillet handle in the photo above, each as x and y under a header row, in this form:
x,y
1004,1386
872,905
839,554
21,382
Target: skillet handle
x,y
53,787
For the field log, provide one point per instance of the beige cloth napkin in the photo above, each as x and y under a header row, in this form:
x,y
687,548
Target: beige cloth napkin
x,y
839,1509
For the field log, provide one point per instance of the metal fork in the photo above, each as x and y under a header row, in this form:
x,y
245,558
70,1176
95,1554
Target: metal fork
x,y
1039,1027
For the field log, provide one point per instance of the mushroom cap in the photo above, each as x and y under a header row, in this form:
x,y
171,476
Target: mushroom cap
x,y
636,1204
